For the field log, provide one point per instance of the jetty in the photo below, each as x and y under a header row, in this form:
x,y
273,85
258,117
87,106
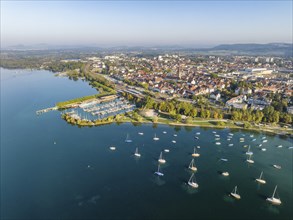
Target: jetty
x,y
39,112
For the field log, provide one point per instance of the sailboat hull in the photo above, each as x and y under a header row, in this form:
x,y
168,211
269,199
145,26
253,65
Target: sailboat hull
x,y
261,181
274,201
159,173
193,168
193,185
236,196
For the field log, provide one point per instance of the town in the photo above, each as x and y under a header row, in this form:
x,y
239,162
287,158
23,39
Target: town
x,y
238,82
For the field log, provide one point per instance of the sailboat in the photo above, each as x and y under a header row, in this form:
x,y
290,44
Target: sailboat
x,y
225,173
273,200
164,132
191,166
156,138
260,180
158,172
235,194
249,160
277,166
191,182
140,133
127,140
248,151
161,160
112,148
136,153
195,154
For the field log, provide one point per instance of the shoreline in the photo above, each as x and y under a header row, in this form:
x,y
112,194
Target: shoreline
x,y
275,132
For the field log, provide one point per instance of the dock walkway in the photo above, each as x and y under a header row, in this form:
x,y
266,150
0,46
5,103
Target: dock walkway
x,y
46,110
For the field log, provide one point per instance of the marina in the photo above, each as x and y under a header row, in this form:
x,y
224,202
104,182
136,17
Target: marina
x,y
100,108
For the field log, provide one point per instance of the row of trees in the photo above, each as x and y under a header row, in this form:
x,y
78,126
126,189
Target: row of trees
x,y
176,108
269,114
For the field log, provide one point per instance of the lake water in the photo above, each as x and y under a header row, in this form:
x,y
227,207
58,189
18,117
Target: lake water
x,y
80,178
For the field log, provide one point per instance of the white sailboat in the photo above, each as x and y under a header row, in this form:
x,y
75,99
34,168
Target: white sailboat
x,y
161,160
273,200
191,182
167,150
112,148
173,141
248,151
225,173
277,166
164,132
136,153
175,135
158,171
218,143
156,138
260,180
140,133
195,154
191,166
235,194
127,140
249,160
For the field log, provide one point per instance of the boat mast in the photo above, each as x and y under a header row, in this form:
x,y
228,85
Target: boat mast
x,y
273,196
191,178
191,163
260,175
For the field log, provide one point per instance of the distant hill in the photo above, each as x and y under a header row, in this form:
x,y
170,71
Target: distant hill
x,y
281,49
271,49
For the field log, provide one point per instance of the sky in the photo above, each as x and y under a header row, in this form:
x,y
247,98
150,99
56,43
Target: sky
x,y
145,23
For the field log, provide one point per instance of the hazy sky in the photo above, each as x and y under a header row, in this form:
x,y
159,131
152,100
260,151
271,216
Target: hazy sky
x,y
145,22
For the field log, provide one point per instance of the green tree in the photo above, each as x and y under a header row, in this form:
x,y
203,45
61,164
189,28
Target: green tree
x,y
188,120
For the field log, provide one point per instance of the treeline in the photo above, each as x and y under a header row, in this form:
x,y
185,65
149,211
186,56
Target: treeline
x,y
81,99
25,63
100,87
268,115
176,108
64,66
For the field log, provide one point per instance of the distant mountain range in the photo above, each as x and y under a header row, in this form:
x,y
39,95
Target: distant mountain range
x,y
273,49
